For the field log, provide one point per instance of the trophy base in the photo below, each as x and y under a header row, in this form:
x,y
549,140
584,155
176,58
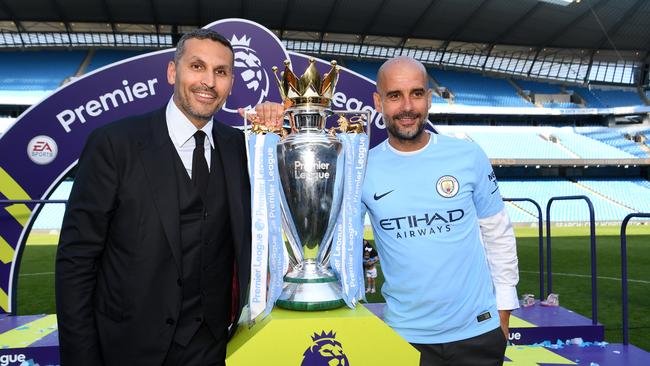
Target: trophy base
x,y
310,289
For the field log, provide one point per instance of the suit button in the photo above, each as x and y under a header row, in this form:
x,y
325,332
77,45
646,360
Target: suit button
x,y
179,282
170,321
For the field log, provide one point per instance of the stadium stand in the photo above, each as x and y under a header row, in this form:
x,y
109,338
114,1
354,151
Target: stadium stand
x,y
541,190
627,193
366,68
529,145
51,215
469,88
46,70
536,87
616,138
544,142
587,148
369,70
618,98
599,98
102,58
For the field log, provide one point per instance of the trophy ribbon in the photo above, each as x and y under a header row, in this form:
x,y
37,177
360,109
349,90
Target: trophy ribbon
x,y
346,255
267,251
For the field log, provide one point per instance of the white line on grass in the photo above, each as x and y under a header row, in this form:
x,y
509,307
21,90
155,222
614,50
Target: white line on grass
x,y
37,274
589,276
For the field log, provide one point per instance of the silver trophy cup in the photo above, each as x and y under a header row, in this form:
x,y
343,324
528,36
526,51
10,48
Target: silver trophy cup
x,y
310,163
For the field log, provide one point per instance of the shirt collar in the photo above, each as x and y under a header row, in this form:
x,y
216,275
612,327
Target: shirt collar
x,y
181,130
433,139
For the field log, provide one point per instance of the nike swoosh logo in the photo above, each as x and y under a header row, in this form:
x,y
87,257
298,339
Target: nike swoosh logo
x,y
380,196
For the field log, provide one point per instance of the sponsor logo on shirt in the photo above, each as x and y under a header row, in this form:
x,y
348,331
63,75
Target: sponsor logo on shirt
x,y
428,223
377,197
493,178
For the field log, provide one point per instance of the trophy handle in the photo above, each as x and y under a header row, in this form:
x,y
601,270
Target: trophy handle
x,y
365,121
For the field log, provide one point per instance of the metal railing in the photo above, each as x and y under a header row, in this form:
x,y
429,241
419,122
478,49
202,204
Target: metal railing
x,y
540,225
592,234
624,272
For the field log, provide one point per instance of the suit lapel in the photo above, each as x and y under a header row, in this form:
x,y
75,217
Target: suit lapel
x,y
157,161
232,163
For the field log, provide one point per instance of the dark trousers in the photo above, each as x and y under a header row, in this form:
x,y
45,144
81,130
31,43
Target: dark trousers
x,y
202,350
486,349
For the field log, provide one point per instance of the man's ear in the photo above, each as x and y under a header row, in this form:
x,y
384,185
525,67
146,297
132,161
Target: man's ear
x,y
171,72
377,99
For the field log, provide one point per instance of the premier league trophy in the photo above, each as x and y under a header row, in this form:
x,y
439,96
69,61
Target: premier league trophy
x,y
312,174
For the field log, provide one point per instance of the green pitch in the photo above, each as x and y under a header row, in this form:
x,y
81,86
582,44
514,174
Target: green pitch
x,y
571,268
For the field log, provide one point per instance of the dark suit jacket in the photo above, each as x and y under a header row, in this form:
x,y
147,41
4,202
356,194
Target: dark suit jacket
x,y
118,263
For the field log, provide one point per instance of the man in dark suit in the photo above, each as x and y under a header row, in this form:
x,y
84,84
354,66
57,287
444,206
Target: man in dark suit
x,y
154,257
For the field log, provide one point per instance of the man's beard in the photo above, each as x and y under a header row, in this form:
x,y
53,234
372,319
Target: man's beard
x,y
185,104
405,136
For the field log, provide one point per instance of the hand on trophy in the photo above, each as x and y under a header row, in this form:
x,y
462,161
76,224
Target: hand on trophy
x,y
269,114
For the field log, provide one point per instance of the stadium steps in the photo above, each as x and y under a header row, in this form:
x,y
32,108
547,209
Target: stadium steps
x,y
516,206
558,143
582,104
606,198
642,95
81,69
84,64
521,93
436,88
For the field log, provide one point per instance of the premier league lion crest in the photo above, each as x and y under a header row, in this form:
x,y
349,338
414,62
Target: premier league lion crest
x,y
251,79
256,49
325,350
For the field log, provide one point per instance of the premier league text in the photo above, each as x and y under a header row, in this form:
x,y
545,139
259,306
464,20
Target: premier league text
x,y
113,99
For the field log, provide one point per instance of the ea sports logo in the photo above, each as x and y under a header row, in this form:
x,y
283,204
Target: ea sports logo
x,y
42,150
251,83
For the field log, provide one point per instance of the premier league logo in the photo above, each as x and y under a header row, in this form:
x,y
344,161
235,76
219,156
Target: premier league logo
x,y
251,79
256,50
324,351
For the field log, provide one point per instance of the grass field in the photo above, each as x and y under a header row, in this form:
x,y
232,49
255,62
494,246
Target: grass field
x,y
571,267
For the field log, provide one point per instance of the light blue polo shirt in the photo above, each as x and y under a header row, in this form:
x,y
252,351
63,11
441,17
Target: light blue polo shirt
x,y
424,207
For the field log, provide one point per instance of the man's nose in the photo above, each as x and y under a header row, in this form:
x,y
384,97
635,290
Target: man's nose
x,y
208,80
407,103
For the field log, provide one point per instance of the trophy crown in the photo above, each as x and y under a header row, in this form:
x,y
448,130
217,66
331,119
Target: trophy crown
x,y
309,88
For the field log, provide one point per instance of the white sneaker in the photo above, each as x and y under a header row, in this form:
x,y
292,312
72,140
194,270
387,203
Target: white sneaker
x,y
367,290
372,290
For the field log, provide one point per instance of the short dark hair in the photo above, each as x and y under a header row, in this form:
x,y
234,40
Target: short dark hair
x,y
200,34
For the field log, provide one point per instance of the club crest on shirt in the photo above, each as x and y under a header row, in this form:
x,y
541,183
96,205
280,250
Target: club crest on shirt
x,y
447,186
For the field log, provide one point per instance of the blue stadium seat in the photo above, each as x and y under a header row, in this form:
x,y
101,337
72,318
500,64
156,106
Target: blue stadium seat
x,y
598,98
541,190
477,90
536,87
37,71
102,58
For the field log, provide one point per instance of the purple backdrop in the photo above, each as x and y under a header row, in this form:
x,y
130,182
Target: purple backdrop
x,y
58,126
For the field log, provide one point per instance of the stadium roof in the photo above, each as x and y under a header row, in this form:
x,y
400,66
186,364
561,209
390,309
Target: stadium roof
x,y
589,24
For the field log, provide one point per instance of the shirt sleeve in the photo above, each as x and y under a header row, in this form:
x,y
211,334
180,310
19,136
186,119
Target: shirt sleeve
x,y
487,198
500,246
